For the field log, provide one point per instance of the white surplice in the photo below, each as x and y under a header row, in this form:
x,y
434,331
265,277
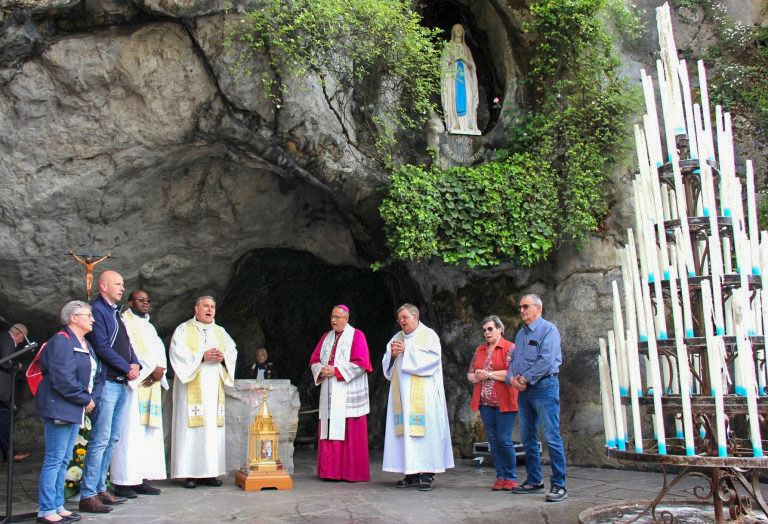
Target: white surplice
x,y
140,453
432,452
199,452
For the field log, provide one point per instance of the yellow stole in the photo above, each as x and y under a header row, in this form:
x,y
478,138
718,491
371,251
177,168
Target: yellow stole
x,y
417,418
150,402
195,415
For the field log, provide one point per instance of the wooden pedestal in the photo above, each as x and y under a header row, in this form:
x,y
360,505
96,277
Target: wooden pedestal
x,y
257,480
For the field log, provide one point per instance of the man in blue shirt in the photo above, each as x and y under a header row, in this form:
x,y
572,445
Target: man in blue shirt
x,y
110,341
533,371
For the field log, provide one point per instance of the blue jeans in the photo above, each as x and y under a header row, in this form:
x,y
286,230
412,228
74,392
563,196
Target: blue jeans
x,y
498,428
106,422
59,441
541,404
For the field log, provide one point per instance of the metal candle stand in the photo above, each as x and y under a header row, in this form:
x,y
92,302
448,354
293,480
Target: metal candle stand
x,y
694,310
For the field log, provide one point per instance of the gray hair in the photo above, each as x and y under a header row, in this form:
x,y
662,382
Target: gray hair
x,y
413,310
534,298
69,309
204,297
496,322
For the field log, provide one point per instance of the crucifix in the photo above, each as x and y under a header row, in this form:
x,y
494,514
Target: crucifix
x,y
89,260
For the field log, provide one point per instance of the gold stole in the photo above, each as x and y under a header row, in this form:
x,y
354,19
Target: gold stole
x,y
417,418
149,397
195,418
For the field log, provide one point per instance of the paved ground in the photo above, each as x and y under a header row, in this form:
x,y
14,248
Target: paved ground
x,y
461,495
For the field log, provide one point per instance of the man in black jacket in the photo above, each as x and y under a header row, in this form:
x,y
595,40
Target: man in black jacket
x,y
9,340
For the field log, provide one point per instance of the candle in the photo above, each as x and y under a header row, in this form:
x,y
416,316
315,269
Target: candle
x,y
653,277
621,439
606,398
655,375
689,122
666,109
746,366
683,369
618,329
703,89
685,291
715,350
671,63
752,215
637,287
651,121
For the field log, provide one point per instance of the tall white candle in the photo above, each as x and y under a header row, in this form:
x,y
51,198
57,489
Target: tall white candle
x,y
653,277
618,329
715,350
746,364
655,374
687,103
606,397
633,360
752,220
685,291
637,287
705,109
682,365
621,440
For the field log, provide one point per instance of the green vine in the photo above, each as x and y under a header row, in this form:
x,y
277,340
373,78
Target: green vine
x,y
377,66
549,185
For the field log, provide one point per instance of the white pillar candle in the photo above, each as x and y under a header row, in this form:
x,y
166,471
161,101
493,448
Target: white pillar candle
x,y
715,348
685,291
666,110
653,277
705,110
688,105
651,121
606,397
621,440
671,66
752,219
683,370
746,366
618,329
637,288
655,373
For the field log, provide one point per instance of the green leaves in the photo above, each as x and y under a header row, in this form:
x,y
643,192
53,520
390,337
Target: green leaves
x,y
483,216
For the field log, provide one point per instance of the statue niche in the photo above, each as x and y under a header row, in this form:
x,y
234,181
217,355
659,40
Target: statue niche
x,y
459,85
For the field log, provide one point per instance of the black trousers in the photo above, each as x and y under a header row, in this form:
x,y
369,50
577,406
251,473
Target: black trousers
x,y
5,431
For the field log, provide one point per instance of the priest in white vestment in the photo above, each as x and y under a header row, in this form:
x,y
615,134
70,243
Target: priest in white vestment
x,y
203,357
417,440
140,454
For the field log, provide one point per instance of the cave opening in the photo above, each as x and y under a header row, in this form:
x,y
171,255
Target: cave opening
x,y
281,299
480,38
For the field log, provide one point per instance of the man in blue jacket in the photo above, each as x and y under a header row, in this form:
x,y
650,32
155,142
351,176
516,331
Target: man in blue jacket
x,y
110,341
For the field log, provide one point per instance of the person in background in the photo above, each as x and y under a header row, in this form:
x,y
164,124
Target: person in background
x,y
533,371
70,388
496,400
262,369
9,341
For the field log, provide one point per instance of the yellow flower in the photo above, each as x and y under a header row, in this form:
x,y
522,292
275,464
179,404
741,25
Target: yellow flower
x,y
80,451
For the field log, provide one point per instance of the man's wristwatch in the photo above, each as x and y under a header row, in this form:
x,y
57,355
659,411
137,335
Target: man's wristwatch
x,y
523,380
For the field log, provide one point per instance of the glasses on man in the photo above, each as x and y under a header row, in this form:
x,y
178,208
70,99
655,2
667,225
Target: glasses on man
x,y
524,307
144,300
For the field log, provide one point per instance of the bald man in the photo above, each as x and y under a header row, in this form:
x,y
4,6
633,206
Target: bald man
x,y
110,341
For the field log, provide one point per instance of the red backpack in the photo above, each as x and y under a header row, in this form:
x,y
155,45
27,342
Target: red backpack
x,y
34,374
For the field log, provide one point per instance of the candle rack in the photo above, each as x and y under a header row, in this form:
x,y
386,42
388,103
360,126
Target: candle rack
x,y
686,359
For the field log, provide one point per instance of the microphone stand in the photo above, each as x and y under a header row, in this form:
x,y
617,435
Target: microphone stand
x,y
9,517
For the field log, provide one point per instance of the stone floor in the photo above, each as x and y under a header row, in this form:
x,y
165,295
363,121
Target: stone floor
x,y
461,495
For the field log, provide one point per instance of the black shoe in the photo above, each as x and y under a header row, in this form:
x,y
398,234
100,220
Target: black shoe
x,y
124,491
426,482
527,488
146,489
190,483
211,481
72,517
557,493
409,481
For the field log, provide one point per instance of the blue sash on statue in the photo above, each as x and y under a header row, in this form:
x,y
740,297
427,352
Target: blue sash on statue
x,y
461,89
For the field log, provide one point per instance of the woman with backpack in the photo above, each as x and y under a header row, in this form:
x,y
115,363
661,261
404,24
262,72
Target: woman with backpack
x,y
70,387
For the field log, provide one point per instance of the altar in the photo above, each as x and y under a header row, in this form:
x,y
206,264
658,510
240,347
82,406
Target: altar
x,y
243,399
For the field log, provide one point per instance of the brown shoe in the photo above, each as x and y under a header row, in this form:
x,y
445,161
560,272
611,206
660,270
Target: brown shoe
x,y
93,505
108,498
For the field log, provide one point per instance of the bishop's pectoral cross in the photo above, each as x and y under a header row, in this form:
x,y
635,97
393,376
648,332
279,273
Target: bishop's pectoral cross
x,y
195,410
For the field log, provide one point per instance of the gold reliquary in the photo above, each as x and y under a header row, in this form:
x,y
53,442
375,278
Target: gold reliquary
x,y
263,467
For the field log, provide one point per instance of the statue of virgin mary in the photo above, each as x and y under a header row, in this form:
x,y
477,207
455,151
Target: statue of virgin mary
x,y
459,85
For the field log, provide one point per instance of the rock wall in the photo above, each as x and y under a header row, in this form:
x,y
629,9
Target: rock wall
x,y
128,121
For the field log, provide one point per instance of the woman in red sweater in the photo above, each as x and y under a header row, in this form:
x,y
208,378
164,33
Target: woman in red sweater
x,y
496,400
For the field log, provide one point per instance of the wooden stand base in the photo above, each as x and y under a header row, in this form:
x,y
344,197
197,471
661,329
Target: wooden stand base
x,y
258,480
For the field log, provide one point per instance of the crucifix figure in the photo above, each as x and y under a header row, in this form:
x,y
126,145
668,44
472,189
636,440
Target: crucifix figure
x,y
89,260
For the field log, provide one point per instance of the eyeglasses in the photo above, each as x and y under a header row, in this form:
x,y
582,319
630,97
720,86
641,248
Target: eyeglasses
x,y
89,315
488,329
526,306
144,300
